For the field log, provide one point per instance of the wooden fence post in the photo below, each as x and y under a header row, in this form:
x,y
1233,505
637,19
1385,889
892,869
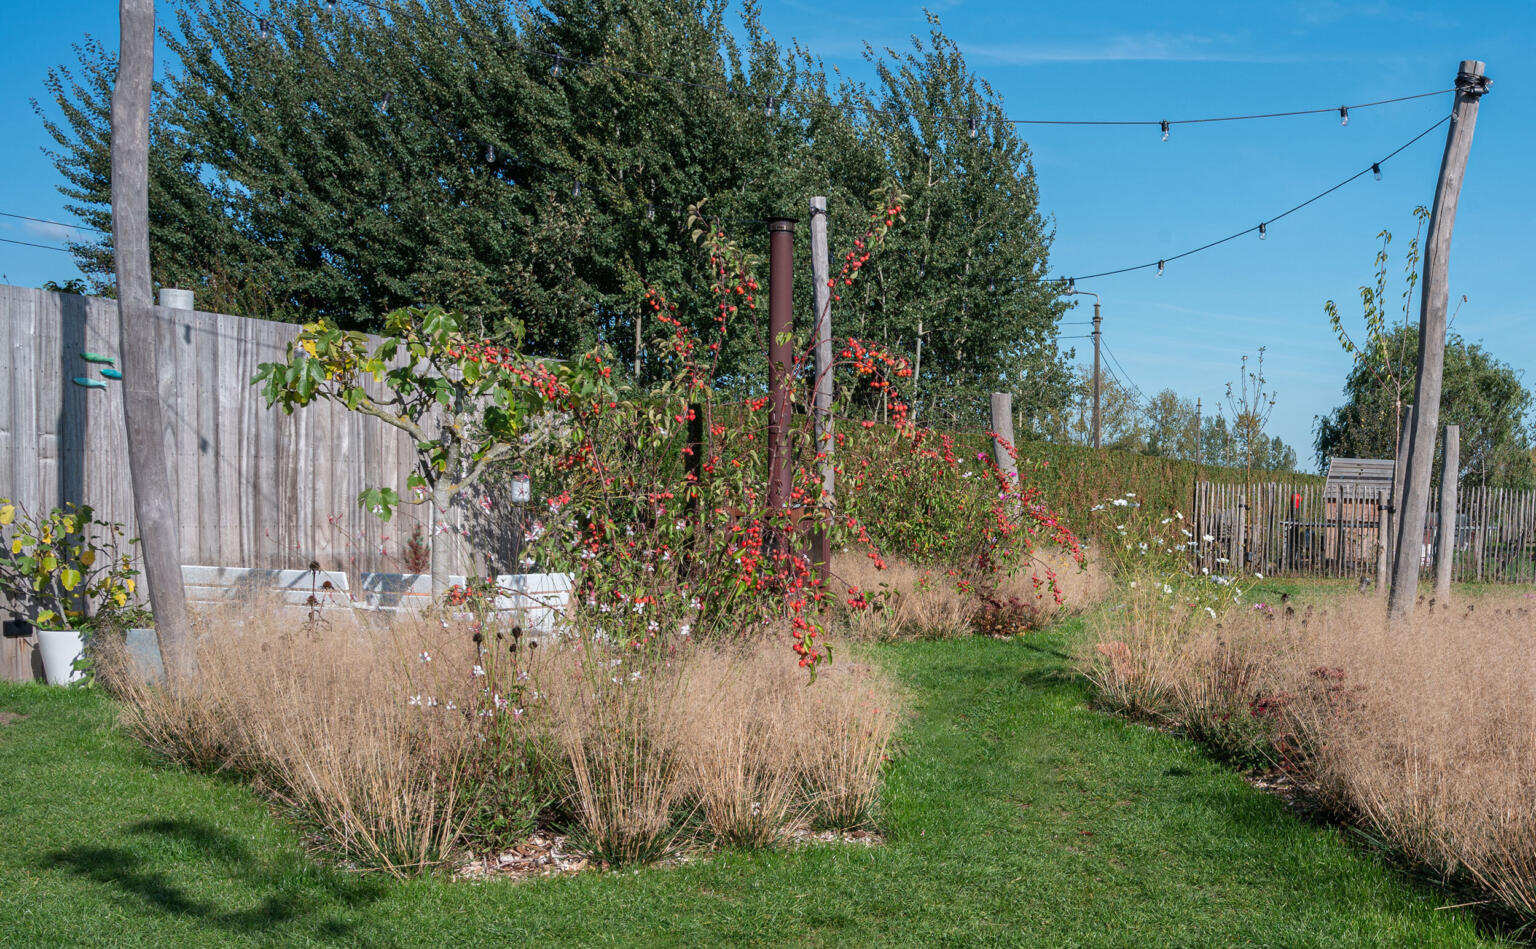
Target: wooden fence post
x,y
821,550
1445,551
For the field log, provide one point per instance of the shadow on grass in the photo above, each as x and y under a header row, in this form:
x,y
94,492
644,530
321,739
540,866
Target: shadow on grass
x,y
291,899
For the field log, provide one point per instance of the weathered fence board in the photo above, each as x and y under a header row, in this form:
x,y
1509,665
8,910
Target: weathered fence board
x,y
254,488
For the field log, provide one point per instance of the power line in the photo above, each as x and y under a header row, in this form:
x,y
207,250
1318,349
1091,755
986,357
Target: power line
x,y
30,244
43,220
1373,168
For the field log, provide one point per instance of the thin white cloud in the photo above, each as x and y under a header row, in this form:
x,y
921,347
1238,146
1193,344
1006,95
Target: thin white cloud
x,y
1143,47
52,232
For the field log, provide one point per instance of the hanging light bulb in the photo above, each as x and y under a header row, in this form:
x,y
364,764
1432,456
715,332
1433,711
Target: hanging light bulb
x,y
1376,170
1159,268
330,6
650,212
770,107
490,154
1343,115
576,191
1263,231
973,127
1165,130
992,285
261,28
555,69
384,104
1071,284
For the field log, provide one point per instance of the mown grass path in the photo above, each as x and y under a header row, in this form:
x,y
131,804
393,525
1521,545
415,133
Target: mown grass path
x,y
1016,816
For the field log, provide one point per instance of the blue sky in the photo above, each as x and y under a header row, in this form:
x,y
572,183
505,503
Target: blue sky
x,y
1120,196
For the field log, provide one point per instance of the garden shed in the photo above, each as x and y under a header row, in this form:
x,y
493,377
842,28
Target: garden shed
x,y
1353,495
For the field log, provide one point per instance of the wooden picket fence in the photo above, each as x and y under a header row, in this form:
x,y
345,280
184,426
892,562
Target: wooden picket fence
x,y
1281,529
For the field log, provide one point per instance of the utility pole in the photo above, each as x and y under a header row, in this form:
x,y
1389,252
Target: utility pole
x,y
1471,85
1197,436
153,505
1097,320
821,550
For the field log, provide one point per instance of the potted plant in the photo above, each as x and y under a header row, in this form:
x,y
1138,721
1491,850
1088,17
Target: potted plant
x,y
73,574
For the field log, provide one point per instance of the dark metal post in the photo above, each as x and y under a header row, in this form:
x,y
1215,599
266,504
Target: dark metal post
x,y
781,357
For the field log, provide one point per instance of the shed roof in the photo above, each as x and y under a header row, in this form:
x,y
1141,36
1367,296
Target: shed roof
x,y
1360,475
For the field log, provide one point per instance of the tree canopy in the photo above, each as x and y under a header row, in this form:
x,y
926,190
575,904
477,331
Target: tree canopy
x,y
1482,395
521,164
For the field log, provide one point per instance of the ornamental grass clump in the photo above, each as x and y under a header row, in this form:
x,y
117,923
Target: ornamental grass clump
x,y
410,744
1424,731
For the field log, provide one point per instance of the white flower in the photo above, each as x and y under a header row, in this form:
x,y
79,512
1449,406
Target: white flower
x,y
450,706
1130,494
425,657
1211,612
1143,547
517,713
639,607
1222,560
1097,507
431,702
684,629
1166,521
652,626
1133,584
634,675
522,675
477,670
694,604
1258,576
1167,588
1179,515
1205,570
1207,538
1120,502
415,700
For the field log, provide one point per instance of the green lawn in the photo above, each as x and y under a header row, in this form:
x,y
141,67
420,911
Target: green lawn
x,y
1016,815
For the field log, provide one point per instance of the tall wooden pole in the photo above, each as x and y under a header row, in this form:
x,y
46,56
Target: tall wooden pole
x,y
1471,84
1002,446
821,265
153,505
1445,552
781,357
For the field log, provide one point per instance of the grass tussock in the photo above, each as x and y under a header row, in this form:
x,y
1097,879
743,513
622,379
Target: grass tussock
x,y
407,745
906,601
1423,732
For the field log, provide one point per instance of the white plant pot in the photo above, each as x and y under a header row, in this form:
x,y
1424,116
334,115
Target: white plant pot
x,y
60,648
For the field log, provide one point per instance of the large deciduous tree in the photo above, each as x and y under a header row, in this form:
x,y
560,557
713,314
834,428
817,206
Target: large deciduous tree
x,y
519,163
1482,395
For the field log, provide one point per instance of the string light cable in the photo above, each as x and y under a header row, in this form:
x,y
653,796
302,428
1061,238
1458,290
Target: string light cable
x,y
771,101
1262,228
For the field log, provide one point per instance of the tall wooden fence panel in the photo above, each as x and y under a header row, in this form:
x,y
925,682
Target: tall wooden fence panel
x,y
1280,529
254,487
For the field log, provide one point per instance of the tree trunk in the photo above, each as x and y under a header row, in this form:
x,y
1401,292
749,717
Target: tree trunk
x,y
153,506
442,541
